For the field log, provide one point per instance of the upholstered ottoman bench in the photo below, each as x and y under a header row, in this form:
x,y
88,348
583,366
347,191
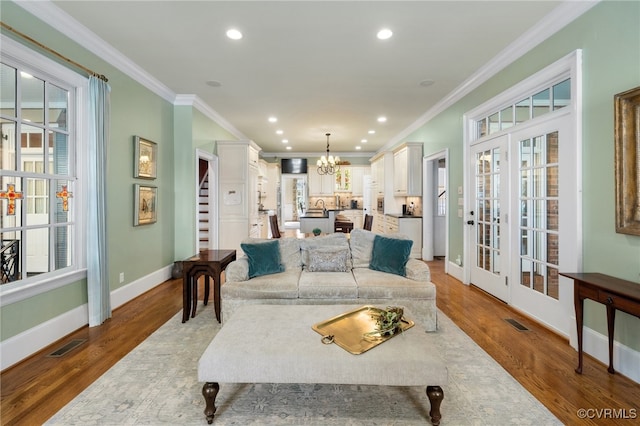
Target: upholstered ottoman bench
x,y
276,344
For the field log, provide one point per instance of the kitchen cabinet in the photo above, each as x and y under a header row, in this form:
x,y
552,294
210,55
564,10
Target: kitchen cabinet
x,y
407,170
409,226
357,179
320,185
377,173
354,216
343,179
238,189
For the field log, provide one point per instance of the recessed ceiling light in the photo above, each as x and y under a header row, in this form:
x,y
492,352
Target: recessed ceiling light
x,y
234,34
279,132
385,34
288,147
214,83
272,119
382,119
285,140
358,147
371,132
426,83
363,141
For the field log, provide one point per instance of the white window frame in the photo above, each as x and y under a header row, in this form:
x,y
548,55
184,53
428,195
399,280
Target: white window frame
x,y
24,58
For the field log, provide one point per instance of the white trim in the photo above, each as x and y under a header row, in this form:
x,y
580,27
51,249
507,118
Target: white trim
x,y
626,361
455,271
24,290
27,343
126,293
429,206
557,19
197,103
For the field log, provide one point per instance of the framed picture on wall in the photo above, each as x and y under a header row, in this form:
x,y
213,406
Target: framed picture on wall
x,y
627,161
145,205
145,158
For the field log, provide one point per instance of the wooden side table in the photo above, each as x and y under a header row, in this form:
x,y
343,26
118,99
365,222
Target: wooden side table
x,y
207,263
612,292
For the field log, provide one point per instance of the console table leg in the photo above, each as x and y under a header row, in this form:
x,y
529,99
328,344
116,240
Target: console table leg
x,y
611,320
435,395
210,391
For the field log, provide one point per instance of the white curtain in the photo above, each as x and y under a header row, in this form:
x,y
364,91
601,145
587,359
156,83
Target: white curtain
x,y
97,263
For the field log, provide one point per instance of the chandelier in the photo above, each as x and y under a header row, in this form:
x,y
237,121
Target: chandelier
x,y
328,164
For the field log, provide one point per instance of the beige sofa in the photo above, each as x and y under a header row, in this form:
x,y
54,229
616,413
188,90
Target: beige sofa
x,y
300,284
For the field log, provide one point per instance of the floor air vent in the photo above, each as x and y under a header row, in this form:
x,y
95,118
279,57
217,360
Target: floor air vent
x,y
516,324
66,348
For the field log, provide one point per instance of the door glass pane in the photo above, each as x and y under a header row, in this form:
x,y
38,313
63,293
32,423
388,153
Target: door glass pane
x,y
538,277
553,288
525,153
553,255
526,270
552,148
552,215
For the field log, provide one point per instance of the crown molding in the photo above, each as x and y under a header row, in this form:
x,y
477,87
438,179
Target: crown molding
x,y
288,154
196,102
557,19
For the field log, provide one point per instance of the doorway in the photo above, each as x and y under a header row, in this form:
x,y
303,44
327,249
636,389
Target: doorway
x,y
294,199
435,195
206,229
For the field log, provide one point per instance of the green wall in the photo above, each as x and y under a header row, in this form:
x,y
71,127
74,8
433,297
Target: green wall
x,y
609,37
136,251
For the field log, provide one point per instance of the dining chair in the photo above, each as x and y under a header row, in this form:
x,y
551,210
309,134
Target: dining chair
x,y
368,222
275,230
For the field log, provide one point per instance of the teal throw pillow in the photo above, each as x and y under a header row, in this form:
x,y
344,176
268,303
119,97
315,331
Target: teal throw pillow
x,y
264,258
390,255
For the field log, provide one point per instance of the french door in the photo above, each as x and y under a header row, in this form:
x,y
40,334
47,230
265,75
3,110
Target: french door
x,y
544,204
489,260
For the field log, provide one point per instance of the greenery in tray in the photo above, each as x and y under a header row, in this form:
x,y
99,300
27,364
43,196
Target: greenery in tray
x,y
387,322
316,231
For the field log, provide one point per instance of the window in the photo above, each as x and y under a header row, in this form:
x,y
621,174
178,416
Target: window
x,y
41,236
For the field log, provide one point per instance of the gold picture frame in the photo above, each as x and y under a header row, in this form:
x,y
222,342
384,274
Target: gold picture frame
x,y
627,161
145,158
145,204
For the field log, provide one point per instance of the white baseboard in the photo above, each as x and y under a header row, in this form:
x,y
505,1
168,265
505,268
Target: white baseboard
x,y
626,361
455,271
25,344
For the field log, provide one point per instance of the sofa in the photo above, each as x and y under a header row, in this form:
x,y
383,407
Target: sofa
x,y
364,269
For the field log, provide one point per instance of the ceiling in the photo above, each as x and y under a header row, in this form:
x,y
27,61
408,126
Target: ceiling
x,y
315,65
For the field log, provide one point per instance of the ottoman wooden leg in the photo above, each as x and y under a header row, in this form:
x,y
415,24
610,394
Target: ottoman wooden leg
x,y
210,391
435,395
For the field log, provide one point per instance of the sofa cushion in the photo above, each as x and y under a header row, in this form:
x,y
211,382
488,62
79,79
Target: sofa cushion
x,y
332,240
327,285
381,285
274,286
329,259
290,255
390,255
361,243
264,258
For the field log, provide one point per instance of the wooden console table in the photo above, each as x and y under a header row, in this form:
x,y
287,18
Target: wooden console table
x,y
207,263
614,293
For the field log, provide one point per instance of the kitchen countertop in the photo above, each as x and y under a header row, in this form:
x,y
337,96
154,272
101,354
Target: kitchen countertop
x,y
403,216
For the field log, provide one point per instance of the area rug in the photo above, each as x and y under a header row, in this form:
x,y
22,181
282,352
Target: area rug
x,y
156,384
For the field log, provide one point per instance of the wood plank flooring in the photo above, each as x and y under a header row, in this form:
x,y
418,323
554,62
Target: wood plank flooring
x,y
542,362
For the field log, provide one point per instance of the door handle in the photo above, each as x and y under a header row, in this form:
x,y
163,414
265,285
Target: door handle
x,y
470,222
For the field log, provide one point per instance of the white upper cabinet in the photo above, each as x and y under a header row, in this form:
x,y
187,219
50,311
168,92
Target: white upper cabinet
x,y
407,167
320,185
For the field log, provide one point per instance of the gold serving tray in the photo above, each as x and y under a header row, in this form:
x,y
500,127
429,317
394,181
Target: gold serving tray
x,y
349,329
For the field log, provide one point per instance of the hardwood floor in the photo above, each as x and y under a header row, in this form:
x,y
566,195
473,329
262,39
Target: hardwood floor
x,y
542,362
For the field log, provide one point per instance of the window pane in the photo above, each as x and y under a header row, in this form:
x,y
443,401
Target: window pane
x,y
62,246
63,202
32,103
58,104
10,253
12,196
494,123
482,128
7,145
60,154
8,90
506,117
37,251
541,103
32,149
37,202
561,94
523,110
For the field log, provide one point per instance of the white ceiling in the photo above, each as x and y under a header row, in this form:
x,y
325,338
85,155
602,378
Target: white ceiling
x,y
315,65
